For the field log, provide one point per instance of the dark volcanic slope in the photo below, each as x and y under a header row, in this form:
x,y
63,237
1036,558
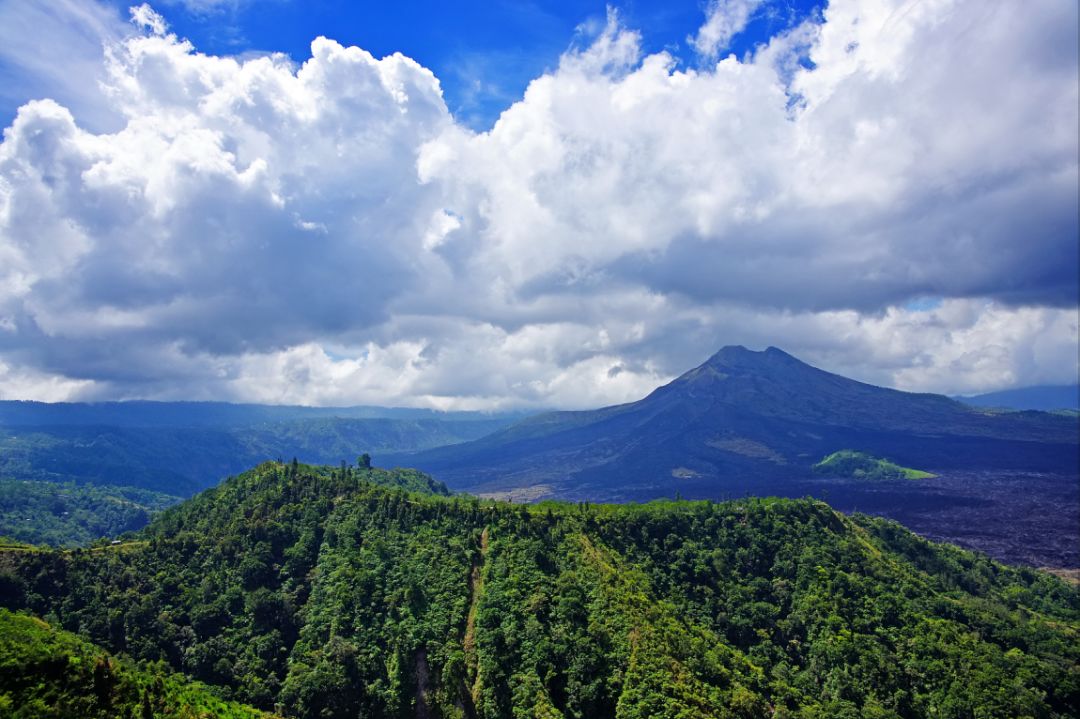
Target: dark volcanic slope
x,y
744,421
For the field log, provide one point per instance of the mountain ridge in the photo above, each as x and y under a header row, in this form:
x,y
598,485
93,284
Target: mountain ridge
x,y
769,398
201,414
1044,398
181,454
316,592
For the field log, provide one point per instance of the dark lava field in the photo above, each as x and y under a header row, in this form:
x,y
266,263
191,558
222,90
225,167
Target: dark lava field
x,y
1016,517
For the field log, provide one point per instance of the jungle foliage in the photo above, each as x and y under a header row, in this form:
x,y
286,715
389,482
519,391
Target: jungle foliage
x,y
68,514
46,672
330,592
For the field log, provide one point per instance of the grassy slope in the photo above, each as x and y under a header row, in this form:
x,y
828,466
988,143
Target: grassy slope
x,y
333,596
859,465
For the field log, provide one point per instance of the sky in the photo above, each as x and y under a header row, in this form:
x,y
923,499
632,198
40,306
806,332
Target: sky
x,y
490,205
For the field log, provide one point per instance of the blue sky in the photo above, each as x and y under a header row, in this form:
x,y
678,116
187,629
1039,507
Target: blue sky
x,y
185,216
484,52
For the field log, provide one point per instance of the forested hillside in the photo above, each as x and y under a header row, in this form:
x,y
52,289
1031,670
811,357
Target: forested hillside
x,y
71,484
325,594
45,672
67,514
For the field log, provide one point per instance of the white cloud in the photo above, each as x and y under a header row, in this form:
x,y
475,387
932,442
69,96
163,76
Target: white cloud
x,y
199,216
884,184
53,49
23,383
961,347
410,374
146,17
614,51
326,233
724,19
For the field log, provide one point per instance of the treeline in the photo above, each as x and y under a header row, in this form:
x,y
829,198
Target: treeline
x,y
353,592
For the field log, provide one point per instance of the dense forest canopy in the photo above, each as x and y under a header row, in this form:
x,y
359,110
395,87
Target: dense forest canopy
x,y
45,672
354,592
68,514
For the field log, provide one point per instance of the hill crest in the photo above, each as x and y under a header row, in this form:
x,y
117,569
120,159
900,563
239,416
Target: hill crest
x,y
334,598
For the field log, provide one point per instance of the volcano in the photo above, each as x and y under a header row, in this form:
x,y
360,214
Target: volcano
x,y
743,422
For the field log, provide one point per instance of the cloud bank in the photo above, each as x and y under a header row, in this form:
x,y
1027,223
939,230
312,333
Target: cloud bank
x,y
326,232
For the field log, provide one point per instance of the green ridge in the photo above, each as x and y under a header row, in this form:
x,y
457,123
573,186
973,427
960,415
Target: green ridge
x,y
323,593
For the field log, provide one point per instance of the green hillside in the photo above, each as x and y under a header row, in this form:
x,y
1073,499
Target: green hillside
x,y
69,514
858,465
45,672
323,593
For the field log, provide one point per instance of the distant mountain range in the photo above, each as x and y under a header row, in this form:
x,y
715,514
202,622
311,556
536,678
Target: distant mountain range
x,y
742,422
144,413
1045,397
179,448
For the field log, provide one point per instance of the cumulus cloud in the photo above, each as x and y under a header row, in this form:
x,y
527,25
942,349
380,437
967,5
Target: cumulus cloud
x,y
724,19
41,386
54,48
887,181
145,16
325,232
961,346
244,205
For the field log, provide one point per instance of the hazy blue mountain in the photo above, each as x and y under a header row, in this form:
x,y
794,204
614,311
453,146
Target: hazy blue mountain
x,y
179,448
1043,397
138,413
